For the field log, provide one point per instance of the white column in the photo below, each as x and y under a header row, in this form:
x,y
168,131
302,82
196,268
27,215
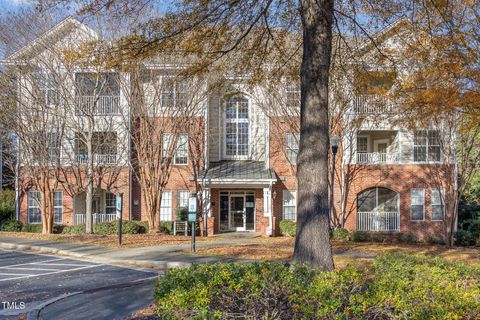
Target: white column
x,y
267,208
206,202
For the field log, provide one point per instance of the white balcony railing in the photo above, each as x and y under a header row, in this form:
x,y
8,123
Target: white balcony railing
x,y
376,157
105,159
372,104
97,105
378,221
97,218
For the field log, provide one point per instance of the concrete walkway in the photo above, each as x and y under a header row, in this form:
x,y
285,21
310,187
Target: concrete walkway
x,y
160,257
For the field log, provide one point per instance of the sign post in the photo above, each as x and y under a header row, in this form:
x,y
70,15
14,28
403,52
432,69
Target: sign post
x,y
192,217
119,216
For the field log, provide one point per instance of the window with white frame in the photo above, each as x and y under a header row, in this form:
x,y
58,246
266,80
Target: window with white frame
x,y
362,144
110,203
438,204
426,146
417,204
33,207
53,146
293,95
183,197
46,88
58,207
290,205
291,146
166,206
179,152
236,127
173,92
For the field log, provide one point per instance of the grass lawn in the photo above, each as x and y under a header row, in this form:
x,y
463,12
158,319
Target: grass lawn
x,y
128,240
345,252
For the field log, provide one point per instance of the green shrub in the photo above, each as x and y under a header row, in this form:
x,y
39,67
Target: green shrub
x,y
397,286
288,228
166,227
464,238
407,237
128,227
340,234
34,228
182,214
75,229
360,236
432,239
11,226
7,205
472,226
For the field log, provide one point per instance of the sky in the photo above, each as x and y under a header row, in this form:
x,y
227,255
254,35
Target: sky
x,y
9,5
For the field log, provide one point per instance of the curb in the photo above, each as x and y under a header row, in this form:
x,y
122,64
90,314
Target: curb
x,y
162,265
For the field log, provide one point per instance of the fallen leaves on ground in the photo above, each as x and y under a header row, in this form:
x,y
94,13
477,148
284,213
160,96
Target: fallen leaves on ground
x,y
128,240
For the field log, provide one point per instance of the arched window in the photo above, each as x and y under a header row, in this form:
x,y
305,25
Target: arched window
x,y
236,128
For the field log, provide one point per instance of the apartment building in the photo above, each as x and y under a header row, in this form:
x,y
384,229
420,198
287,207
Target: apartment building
x,y
246,174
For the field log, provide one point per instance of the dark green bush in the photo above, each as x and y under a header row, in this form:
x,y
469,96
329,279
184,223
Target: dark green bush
x,y
472,226
340,234
75,229
464,238
166,227
182,214
7,205
11,225
407,237
432,239
360,236
288,228
397,286
34,228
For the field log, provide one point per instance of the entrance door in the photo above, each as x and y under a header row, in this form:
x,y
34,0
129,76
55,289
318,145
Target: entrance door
x,y
96,205
237,212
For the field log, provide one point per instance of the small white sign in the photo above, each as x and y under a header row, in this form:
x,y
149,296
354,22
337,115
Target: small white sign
x,y
119,207
192,204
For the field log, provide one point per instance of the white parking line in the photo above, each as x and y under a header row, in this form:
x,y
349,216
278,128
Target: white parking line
x,y
66,264
49,273
30,263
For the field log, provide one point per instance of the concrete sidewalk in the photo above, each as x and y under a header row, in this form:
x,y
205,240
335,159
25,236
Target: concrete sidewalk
x,y
159,257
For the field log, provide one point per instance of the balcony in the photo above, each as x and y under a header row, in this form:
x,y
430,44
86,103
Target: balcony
x,y
98,159
97,105
376,157
372,104
378,221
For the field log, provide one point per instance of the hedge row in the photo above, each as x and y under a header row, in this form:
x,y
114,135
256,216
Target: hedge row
x,y
396,287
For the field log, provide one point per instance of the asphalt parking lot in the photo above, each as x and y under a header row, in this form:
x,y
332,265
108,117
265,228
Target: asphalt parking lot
x,y
54,287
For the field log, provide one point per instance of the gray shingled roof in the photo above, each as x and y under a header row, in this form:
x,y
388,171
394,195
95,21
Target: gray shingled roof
x,y
241,170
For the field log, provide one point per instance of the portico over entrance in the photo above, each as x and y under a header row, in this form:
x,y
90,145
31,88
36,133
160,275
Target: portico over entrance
x,y
238,196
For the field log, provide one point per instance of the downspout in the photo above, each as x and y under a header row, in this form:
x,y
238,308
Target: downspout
x,y
270,211
129,148
17,181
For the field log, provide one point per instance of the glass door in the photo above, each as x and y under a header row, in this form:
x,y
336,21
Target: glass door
x,y
237,212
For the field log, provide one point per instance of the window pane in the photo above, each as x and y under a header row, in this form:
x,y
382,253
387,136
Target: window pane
x,y
183,198
417,200
434,153
289,205
420,138
181,156
417,212
166,206
366,201
420,154
362,144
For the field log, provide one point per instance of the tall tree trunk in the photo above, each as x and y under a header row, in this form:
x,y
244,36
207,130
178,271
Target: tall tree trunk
x,y
312,243
89,193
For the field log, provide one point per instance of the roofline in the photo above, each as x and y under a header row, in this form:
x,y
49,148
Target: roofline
x,y
10,60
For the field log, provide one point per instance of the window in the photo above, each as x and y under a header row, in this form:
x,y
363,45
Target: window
x,y
166,206
46,87
377,200
362,144
173,92
58,207
180,153
97,93
293,95
438,204
426,146
236,127
53,147
110,203
33,207
417,198
290,205
291,146
183,197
